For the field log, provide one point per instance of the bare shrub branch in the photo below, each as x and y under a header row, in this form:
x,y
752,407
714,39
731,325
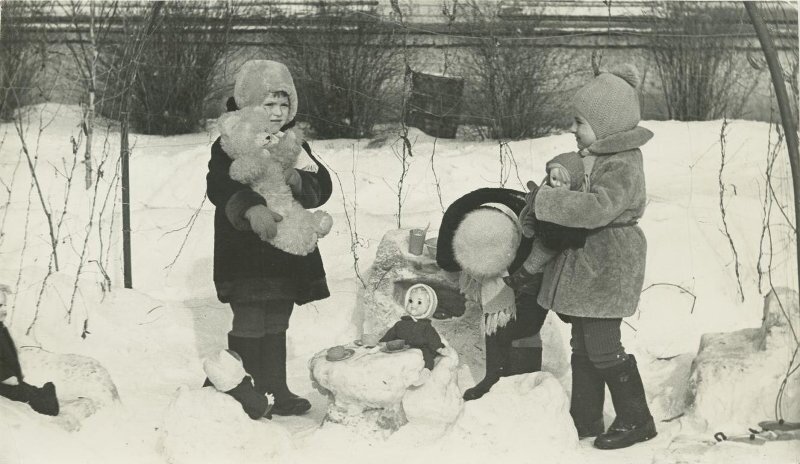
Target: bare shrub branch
x,y
722,190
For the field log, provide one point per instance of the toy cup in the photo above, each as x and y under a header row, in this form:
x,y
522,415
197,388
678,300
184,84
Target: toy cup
x,y
369,340
336,353
416,241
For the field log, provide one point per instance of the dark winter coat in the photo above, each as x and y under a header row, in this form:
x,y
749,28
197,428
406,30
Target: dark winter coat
x,y
9,360
247,268
604,278
418,334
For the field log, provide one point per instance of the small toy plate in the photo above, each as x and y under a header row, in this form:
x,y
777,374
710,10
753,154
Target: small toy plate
x,y
386,349
347,354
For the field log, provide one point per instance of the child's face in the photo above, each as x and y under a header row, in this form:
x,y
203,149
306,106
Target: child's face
x,y
584,134
558,177
277,107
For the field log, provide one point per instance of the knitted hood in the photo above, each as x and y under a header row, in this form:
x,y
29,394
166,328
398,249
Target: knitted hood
x,y
257,79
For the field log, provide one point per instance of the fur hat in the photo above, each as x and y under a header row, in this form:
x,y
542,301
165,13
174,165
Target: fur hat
x,y
609,102
257,79
480,238
572,162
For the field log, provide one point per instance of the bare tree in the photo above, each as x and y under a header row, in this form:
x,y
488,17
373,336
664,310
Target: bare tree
x,y
85,51
343,60
701,75
515,78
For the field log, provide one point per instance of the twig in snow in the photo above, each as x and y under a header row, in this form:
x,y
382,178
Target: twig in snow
x,y
352,226
436,176
722,208
189,226
683,290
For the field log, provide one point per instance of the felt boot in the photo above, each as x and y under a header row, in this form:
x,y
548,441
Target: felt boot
x,y
41,399
227,374
255,404
524,360
588,396
286,402
498,347
633,423
251,353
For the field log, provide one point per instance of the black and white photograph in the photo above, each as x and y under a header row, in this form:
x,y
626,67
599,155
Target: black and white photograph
x,y
399,231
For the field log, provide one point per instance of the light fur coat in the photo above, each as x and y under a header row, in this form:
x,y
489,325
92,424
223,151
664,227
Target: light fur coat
x,y
604,278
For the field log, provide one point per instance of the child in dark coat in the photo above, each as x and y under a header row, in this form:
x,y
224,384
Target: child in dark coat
x,y
12,386
415,327
260,282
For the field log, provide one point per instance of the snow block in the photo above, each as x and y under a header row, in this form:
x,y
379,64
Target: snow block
x,y
83,385
523,416
204,425
377,393
737,377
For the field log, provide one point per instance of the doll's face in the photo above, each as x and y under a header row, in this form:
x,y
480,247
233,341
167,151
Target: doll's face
x,y
558,177
418,303
277,106
3,310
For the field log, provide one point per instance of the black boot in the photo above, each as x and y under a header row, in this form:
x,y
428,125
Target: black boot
x,y
633,423
255,404
41,399
498,348
251,352
588,396
524,360
286,402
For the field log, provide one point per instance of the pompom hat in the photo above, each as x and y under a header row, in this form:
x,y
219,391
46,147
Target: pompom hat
x,y
609,102
258,79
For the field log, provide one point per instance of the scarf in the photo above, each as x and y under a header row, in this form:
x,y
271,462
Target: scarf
x,y
495,298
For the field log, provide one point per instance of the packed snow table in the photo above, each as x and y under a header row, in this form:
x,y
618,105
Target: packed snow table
x,y
380,391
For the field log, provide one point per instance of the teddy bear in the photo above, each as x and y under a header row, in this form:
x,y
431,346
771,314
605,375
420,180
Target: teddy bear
x,y
259,161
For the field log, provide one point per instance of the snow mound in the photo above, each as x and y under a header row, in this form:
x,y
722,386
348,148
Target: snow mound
x,y
737,376
83,385
205,425
523,416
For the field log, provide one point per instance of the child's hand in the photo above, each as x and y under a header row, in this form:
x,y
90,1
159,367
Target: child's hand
x,y
263,221
294,181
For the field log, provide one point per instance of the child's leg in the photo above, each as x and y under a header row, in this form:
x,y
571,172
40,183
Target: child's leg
x,y
276,322
619,371
588,387
246,339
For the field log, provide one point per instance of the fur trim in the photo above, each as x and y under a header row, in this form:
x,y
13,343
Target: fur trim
x,y
485,242
622,141
225,370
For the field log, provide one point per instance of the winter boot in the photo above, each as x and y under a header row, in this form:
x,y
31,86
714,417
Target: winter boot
x,y
41,399
227,374
588,395
633,423
250,351
498,347
524,360
286,402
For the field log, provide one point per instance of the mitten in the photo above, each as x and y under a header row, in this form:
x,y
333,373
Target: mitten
x,y
263,221
294,181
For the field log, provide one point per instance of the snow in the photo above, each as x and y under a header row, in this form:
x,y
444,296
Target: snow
x,y
151,340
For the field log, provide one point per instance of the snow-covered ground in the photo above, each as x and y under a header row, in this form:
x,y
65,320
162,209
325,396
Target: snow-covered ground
x,y
152,339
